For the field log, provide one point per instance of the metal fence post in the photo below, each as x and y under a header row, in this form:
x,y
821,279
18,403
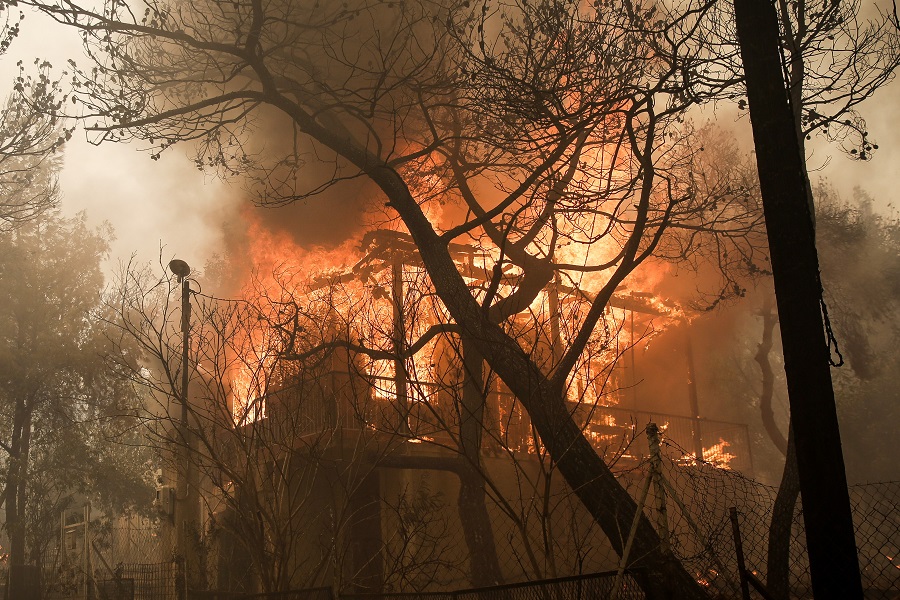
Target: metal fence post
x,y
86,552
617,584
180,578
747,578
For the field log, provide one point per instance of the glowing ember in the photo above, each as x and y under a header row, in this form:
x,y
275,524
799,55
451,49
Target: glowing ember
x,y
717,455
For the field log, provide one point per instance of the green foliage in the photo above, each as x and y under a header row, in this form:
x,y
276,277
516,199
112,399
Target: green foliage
x,y
859,254
859,258
66,416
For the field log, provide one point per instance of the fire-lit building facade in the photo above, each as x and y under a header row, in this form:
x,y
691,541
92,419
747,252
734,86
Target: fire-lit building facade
x,y
362,470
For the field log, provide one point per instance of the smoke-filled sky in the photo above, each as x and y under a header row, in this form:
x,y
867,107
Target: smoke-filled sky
x,y
149,203
170,203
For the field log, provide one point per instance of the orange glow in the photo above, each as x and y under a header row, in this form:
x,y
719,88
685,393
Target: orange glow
x,y
717,455
284,271
280,270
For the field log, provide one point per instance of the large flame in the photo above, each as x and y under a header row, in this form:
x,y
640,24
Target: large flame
x,y
283,271
278,270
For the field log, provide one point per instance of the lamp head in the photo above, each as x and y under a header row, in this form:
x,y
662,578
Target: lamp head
x,y
179,268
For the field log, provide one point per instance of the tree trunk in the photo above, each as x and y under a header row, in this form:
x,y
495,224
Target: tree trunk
x,y
833,560
608,502
484,567
16,481
399,335
588,476
779,554
778,567
768,378
610,505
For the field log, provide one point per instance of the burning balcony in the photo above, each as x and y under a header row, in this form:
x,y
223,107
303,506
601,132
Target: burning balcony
x,y
350,401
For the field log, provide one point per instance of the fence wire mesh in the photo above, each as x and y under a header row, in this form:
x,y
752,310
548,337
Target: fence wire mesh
x,y
598,585
146,581
877,520
543,536
702,495
552,535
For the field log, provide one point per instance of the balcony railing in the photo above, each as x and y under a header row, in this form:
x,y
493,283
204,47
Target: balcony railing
x,y
339,400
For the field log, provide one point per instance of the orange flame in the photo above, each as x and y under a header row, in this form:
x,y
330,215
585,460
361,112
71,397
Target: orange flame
x,y
718,456
279,270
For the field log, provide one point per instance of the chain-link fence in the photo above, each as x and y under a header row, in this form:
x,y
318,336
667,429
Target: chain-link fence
x,y
143,581
552,534
599,585
699,501
539,531
99,559
321,593
877,520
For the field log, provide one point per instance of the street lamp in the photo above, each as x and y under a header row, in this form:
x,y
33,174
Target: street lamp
x,y
181,271
186,501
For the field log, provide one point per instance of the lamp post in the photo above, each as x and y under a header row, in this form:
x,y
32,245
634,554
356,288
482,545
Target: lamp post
x,y
186,494
182,270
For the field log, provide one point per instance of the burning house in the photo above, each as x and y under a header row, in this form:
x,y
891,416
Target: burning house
x,y
349,437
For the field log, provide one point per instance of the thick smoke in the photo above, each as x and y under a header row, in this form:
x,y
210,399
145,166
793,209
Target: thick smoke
x,y
858,257
326,219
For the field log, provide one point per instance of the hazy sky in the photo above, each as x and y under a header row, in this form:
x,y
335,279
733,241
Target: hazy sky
x,y
170,203
149,203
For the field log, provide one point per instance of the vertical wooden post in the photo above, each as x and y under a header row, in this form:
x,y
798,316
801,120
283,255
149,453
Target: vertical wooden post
x,y
693,397
626,552
662,516
63,551
86,552
553,306
634,379
399,332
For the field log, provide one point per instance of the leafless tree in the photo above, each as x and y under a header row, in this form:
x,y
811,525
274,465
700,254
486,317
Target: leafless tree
x,y
31,136
558,127
286,446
